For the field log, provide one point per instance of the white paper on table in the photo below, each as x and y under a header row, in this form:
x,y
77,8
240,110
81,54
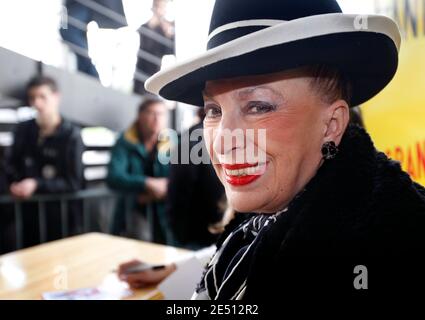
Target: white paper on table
x,y
111,288
181,284
84,294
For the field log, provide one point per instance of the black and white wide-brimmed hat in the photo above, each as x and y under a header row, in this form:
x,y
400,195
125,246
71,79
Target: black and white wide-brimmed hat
x,y
252,37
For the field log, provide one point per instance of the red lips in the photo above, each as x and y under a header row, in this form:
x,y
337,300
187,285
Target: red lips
x,y
243,179
238,166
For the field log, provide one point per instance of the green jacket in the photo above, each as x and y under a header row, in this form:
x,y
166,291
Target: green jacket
x,y
126,174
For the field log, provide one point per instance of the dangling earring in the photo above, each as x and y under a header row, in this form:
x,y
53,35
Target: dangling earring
x,y
329,150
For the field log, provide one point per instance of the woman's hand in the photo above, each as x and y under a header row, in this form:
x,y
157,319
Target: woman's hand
x,y
145,278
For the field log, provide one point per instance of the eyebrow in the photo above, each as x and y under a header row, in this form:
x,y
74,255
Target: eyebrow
x,y
241,94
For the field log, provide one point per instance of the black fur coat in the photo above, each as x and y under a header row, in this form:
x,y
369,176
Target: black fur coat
x,y
359,209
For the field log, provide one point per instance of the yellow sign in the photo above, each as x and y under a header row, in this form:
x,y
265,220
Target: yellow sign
x,y
396,117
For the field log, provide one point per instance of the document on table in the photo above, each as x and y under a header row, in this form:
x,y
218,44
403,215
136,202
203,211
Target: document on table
x,y
84,294
110,289
181,284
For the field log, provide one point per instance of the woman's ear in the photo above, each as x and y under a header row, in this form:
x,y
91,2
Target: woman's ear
x,y
337,118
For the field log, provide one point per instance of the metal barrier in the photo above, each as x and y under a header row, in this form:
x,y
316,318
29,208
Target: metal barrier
x,y
85,196
142,54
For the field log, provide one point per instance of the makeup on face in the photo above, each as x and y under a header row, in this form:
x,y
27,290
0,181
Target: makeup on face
x,y
244,173
285,108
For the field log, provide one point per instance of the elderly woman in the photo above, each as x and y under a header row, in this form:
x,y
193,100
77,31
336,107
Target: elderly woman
x,y
322,191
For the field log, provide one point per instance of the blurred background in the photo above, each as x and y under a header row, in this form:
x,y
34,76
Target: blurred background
x,y
100,53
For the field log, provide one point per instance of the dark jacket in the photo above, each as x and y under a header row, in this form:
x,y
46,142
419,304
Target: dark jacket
x,y
127,174
155,48
55,162
193,189
359,209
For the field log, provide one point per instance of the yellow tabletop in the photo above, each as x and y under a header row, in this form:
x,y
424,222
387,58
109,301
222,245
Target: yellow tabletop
x,y
77,262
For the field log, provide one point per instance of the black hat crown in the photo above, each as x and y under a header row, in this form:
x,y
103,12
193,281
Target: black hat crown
x,y
228,12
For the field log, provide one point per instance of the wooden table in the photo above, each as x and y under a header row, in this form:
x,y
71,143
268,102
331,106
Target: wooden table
x,y
76,262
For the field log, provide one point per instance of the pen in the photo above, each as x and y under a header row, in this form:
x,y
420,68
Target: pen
x,y
143,267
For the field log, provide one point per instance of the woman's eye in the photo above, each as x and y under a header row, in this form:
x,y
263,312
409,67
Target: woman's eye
x,y
259,107
212,111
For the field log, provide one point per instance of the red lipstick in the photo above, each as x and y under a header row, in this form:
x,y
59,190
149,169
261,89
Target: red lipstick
x,y
242,174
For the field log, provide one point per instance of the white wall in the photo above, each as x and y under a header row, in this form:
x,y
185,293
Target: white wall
x,y
357,6
192,24
31,28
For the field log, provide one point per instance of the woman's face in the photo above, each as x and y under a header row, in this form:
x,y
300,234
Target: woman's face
x,y
296,122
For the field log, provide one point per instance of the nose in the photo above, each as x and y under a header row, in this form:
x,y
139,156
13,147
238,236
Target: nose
x,y
36,103
229,139
37,106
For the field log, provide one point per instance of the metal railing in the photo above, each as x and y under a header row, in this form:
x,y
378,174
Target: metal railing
x,y
121,20
87,197
142,54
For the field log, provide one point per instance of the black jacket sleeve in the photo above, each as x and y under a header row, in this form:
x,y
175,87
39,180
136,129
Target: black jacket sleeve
x,y
192,203
180,200
13,165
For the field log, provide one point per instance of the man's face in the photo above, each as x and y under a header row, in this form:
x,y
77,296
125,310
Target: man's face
x,y
44,99
160,8
153,119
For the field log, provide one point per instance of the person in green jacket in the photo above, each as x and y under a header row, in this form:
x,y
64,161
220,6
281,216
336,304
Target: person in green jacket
x,y
136,172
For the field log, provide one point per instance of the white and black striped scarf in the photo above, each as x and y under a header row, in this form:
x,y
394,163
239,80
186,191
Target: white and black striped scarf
x,y
225,276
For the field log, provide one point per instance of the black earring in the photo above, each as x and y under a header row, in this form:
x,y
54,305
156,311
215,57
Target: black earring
x,y
329,150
